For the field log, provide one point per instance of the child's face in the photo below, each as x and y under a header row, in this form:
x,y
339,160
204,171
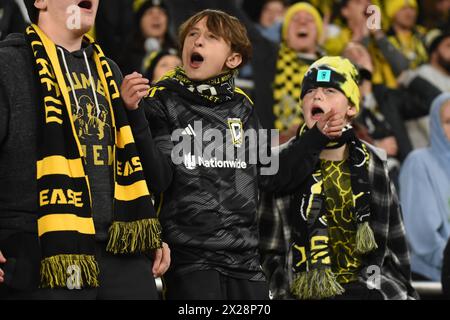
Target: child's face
x,y
319,101
205,54
62,13
302,33
167,63
154,23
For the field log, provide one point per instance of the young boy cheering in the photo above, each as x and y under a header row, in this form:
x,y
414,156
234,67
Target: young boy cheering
x,y
209,209
348,234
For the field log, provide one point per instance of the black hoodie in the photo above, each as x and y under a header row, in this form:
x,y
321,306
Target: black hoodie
x,y
19,102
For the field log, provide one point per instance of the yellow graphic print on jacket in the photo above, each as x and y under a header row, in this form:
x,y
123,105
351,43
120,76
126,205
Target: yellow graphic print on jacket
x,y
342,226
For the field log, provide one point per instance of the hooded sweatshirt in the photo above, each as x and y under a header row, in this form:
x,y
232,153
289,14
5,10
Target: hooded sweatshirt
x,y
425,197
19,102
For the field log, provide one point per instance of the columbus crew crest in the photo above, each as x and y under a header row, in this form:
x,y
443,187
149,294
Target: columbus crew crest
x,y
237,133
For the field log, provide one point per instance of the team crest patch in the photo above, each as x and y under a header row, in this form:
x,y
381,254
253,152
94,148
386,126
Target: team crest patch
x,y
235,125
323,76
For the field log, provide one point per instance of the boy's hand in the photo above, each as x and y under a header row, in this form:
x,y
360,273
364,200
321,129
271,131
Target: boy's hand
x,y
2,274
331,124
161,261
134,87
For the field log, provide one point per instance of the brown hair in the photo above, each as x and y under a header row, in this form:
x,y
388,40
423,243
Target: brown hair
x,y
223,25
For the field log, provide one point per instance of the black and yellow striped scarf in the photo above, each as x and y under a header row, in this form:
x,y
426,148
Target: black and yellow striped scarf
x,y
65,225
287,85
312,264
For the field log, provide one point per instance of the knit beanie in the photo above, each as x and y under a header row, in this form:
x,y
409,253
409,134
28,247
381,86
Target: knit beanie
x,y
140,6
394,6
333,72
302,6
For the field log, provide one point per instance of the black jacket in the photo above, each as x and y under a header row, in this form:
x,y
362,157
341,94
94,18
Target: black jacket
x,y
399,105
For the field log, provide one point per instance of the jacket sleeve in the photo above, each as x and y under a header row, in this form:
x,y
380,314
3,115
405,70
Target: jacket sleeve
x,y
394,57
157,168
157,171
421,213
290,164
417,98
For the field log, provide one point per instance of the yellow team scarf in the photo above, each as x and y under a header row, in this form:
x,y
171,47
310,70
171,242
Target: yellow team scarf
x,y
290,69
65,225
411,46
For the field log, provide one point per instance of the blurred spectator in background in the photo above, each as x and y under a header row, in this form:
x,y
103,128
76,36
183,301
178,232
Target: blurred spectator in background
x,y
404,34
436,14
152,33
159,63
268,16
384,110
301,32
112,26
425,195
388,61
11,18
437,72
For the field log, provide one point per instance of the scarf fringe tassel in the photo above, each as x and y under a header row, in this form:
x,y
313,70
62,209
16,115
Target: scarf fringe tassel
x,y
136,236
365,239
69,271
316,284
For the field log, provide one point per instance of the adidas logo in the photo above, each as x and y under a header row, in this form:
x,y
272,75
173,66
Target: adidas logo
x,y
188,131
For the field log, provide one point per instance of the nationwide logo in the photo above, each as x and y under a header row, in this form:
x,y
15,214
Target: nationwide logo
x,y
233,148
191,162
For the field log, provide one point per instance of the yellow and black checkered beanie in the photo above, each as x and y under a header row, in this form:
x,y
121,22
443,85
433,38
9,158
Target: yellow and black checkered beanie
x,y
334,72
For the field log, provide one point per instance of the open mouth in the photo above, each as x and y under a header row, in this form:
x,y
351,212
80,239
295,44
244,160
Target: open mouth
x,y
302,34
156,25
85,4
317,112
196,60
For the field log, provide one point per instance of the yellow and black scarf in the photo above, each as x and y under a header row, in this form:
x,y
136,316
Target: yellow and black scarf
x,y
65,225
411,46
215,90
287,87
312,262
